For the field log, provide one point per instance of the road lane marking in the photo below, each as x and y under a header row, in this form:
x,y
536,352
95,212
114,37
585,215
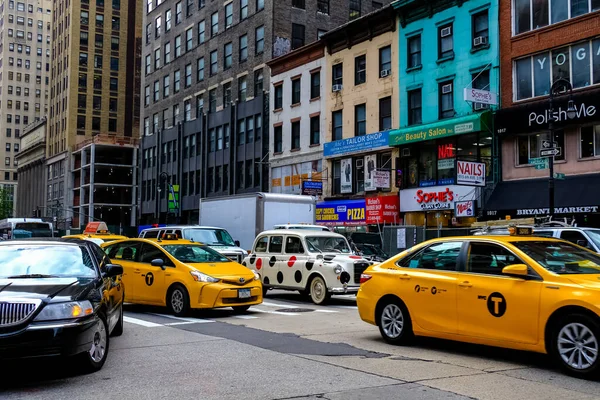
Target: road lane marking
x,y
191,320
266,303
244,317
346,307
273,312
326,311
140,322
181,323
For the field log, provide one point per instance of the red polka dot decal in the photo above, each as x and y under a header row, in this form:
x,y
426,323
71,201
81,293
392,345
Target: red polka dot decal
x,y
259,263
291,261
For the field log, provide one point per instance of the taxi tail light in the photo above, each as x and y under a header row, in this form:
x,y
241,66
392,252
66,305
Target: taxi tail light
x,y
364,278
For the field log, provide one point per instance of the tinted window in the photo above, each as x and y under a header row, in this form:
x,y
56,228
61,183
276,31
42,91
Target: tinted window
x,y
561,257
151,252
276,244
59,261
151,234
261,245
293,245
127,251
574,237
543,233
98,253
486,258
440,256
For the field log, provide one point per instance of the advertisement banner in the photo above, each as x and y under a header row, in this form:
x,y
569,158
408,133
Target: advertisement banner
x,y
383,209
312,188
288,179
382,179
470,173
358,144
464,209
341,212
369,168
346,178
435,198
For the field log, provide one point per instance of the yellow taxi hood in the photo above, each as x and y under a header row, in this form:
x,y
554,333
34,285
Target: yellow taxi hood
x,y
591,281
223,269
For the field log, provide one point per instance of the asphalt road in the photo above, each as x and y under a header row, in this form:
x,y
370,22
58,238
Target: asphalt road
x,y
288,348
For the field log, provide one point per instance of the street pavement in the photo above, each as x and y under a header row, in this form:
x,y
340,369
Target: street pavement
x,y
288,348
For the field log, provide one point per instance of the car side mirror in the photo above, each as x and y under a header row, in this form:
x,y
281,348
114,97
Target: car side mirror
x,y
516,270
583,243
237,243
112,270
158,262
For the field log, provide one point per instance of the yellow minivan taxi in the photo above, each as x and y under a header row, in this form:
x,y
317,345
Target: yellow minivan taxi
x,y
183,275
97,231
519,292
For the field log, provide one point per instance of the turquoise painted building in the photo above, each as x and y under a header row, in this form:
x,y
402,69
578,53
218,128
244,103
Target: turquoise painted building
x,y
447,49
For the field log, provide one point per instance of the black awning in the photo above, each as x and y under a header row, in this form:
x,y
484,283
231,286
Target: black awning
x,y
573,195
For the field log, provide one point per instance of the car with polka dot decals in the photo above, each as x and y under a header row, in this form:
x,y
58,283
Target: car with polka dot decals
x,y
515,291
182,275
316,263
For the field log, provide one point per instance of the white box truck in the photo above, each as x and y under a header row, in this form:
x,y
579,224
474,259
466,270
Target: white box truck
x,y
245,216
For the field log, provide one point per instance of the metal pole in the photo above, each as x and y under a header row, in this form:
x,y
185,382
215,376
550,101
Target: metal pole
x,y
551,158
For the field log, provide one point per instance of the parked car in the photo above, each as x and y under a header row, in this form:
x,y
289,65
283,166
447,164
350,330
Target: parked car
x,y
316,263
59,297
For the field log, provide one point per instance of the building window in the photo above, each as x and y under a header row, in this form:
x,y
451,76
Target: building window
x,y
168,20
243,56
385,114
228,55
200,69
189,39
178,46
166,86
244,9
414,107
315,130
296,84
529,146
212,100
323,6
385,61
242,88
337,73
249,129
360,120
534,15
157,26
187,110
278,139
227,135
258,82
226,94
211,140
299,4
480,24
315,85
201,32
214,24
414,51
360,69
278,100
178,13
295,135
214,63
157,58
445,42
241,132
259,44
176,81
590,141
297,36
446,99
188,75
337,126
260,5
355,7
228,15
167,52
578,64
156,91
199,105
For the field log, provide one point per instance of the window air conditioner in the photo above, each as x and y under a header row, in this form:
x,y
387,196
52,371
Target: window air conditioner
x,y
447,88
446,32
336,88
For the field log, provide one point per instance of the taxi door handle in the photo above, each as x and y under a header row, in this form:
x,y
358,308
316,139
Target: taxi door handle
x,y
137,271
465,284
405,276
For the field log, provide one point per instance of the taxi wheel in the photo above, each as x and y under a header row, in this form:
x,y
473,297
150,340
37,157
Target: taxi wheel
x,y
178,300
318,291
118,329
576,345
394,322
240,309
95,357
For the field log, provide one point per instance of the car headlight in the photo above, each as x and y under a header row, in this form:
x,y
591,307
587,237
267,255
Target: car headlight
x,y
256,276
338,269
200,277
73,309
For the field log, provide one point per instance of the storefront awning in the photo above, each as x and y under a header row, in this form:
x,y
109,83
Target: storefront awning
x,y
530,197
441,129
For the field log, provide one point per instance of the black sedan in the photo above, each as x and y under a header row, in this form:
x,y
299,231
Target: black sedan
x,y
60,297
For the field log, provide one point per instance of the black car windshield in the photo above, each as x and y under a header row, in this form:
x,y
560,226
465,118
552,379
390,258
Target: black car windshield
x,y
327,244
46,261
210,237
194,253
561,257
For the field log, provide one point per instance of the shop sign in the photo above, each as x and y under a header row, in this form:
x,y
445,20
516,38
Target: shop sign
x,y
464,209
381,179
369,168
470,173
346,176
312,188
531,212
435,198
480,96
438,130
357,144
382,210
341,212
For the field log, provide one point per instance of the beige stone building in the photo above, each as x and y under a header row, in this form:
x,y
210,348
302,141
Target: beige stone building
x,y
24,76
32,171
361,107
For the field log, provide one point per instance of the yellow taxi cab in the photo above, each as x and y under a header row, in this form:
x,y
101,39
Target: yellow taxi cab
x,y
516,291
97,232
183,274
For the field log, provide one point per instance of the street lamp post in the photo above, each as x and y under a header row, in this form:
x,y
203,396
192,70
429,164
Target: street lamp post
x,y
566,86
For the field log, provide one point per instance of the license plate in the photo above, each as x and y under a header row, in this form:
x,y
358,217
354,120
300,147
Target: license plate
x,y
244,293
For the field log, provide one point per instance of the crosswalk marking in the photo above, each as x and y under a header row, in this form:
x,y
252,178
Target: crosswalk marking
x,y
181,323
244,317
190,320
326,311
140,322
346,307
273,312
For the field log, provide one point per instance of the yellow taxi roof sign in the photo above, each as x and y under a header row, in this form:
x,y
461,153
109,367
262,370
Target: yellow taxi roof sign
x,y
520,231
96,227
169,236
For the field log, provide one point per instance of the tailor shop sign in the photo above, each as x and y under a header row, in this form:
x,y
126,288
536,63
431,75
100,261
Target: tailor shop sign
x,y
357,144
436,197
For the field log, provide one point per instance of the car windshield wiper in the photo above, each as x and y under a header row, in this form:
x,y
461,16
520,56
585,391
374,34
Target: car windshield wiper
x,y
31,276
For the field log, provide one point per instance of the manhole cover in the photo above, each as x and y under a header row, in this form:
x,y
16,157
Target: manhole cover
x,y
295,310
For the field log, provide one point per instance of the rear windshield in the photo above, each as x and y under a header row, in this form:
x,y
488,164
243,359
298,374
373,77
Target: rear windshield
x,y
47,260
561,257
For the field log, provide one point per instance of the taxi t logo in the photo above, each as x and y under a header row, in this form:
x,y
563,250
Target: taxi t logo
x,y
149,279
496,304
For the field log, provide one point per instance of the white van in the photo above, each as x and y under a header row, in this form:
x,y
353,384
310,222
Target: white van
x,y
303,226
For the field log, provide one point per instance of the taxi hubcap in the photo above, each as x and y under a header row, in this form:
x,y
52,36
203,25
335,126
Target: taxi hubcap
x,y
577,346
99,344
177,301
392,320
